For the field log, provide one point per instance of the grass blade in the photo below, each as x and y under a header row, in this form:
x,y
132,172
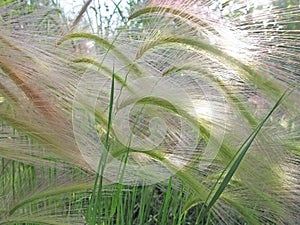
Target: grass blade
x,y
242,152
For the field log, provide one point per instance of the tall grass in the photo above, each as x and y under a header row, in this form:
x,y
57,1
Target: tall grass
x,y
188,115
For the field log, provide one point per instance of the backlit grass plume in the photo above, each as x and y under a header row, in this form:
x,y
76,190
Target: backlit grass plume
x,y
192,106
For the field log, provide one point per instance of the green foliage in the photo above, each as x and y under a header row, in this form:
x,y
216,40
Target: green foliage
x,y
211,137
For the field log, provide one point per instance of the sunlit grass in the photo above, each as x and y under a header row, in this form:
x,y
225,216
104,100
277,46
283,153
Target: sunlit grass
x,y
212,131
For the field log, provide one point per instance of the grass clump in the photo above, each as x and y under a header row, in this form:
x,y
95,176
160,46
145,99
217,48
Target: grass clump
x,y
191,117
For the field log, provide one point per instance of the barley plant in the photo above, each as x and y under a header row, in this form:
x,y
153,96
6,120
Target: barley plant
x,y
163,112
